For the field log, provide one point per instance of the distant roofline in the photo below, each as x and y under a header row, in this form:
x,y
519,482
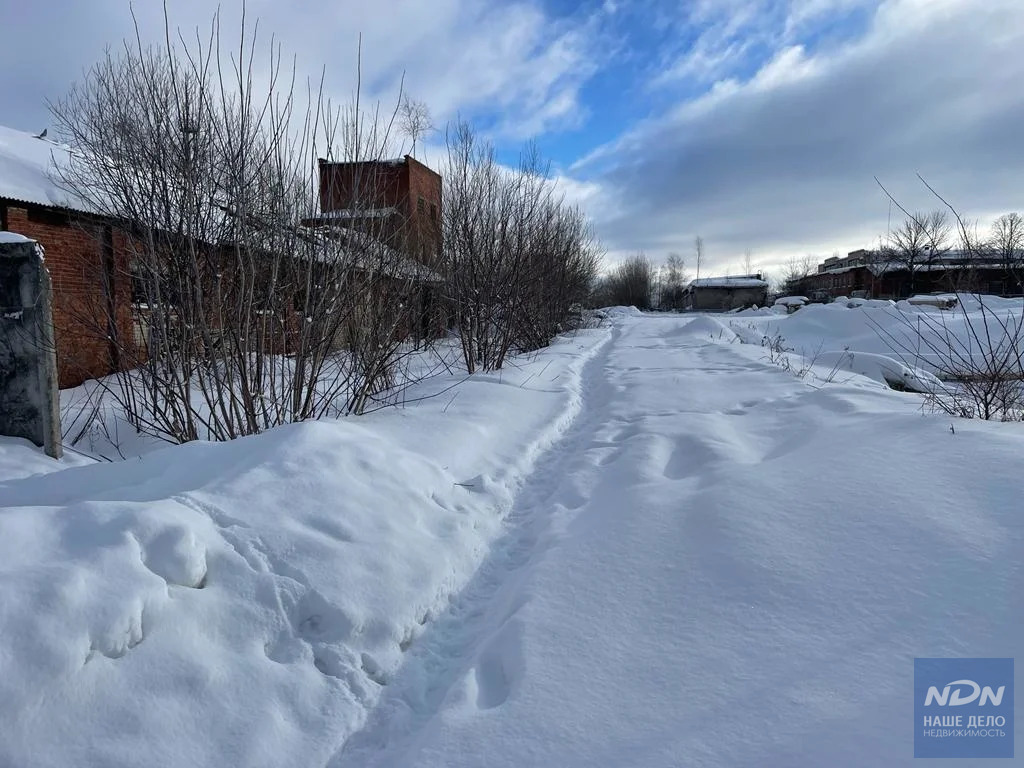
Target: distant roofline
x,y
404,160
729,281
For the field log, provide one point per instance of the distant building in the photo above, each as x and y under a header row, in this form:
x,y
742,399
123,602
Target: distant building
x,y
721,294
871,274
397,200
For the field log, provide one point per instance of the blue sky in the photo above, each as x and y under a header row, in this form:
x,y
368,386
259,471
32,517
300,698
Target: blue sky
x,y
758,124
653,55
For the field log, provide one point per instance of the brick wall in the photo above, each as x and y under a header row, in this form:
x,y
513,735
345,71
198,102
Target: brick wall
x,y
369,184
425,218
82,258
410,187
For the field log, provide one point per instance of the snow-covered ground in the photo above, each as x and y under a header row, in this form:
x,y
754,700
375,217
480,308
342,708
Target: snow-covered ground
x,y
243,603
650,546
899,330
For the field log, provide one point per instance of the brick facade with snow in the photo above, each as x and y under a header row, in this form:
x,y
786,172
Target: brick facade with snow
x,y
90,265
83,257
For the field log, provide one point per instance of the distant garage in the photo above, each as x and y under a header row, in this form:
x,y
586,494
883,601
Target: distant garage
x,y
721,294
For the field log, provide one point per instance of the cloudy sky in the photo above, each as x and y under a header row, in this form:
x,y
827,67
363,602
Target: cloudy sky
x,y
757,124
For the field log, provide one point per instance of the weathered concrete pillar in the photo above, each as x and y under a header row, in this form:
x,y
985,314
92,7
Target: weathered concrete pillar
x,y
29,395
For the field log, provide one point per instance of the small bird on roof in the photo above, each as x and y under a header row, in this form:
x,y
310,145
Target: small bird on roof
x,y
42,135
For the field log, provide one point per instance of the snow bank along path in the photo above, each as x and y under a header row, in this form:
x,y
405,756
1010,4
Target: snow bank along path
x,y
644,547
721,565
246,603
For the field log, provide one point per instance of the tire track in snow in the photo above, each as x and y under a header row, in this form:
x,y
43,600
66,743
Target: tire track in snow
x,y
476,643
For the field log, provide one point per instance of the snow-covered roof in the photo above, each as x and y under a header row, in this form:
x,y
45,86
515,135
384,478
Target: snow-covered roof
x,y
373,255
944,300
838,270
879,263
943,266
354,213
791,301
27,164
13,237
400,266
728,282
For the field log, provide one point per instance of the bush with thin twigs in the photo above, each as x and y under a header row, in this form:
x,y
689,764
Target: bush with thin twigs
x,y
519,262
244,318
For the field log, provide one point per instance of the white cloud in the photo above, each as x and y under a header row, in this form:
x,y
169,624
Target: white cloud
x,y
472,57
803,13
780,160
783,162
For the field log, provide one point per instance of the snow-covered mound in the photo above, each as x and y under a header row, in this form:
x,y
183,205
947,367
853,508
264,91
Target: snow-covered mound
x,y
855,303
432,587
705,328
792,301
244,603
12,237
920,336
880,368
941,301
722,567
621,311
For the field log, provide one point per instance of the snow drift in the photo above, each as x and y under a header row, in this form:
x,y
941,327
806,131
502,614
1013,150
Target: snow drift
x,y
920,337
243,603
880,368
706,328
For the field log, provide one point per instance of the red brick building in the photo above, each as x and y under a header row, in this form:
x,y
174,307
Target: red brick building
x,y
869,274
85,256
398,200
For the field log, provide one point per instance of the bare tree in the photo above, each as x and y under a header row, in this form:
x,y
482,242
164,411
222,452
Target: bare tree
x,y
919,241
415,120
243,318
673,281
1006,244
916,244
796,272
630,283
748,262
519,262
698,247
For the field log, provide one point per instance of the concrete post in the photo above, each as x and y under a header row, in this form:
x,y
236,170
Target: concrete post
x,y
29,393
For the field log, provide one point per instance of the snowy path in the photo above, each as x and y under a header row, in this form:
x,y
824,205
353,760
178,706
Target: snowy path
x,y
717,565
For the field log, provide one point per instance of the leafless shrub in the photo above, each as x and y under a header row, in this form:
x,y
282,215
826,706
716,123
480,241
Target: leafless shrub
x,y
672,279
776,349
243,317
978,353
631,283
519,262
